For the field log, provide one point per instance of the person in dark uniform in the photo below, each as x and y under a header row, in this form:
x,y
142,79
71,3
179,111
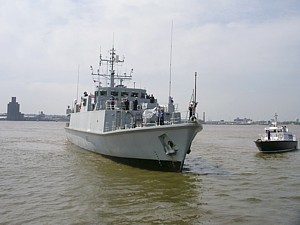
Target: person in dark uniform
x,y
112,102
191,110
135,104
160,117
126,104
152,99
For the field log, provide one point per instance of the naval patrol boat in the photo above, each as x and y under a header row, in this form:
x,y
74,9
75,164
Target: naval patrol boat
x,y
276,139
128,125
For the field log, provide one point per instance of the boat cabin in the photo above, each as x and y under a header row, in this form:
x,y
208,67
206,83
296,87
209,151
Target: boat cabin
x,y
277,134
116,98
123,98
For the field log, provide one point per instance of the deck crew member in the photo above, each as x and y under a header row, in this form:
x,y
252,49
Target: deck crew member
x,y
135,104
160,117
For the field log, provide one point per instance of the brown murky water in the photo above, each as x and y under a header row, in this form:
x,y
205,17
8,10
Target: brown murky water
x,y
46,180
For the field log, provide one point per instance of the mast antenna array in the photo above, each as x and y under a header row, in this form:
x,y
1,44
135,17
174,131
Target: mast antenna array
x,y
112,62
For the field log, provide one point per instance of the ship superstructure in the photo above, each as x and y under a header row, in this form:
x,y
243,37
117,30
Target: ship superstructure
x,y
128,124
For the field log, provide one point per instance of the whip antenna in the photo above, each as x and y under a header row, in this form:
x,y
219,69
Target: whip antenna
x,y
77,81
170,78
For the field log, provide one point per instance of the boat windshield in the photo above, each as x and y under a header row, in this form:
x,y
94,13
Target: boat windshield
x,y
275,130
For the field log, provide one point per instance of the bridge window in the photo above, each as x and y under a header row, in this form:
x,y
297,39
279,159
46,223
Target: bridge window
x,y
115,93
134,94
124,94
103,93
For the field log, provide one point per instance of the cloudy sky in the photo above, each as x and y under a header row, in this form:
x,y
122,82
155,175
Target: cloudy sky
x,y
246,53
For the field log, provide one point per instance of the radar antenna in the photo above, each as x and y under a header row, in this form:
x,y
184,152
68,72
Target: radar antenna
x,y
112,62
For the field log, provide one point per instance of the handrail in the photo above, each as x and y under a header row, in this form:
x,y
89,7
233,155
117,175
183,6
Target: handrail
x,y
135,122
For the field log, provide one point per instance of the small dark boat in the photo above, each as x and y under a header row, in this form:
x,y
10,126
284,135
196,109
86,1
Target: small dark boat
x,y
276,139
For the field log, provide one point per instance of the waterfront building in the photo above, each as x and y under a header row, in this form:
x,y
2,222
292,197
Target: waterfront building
x,y
13,110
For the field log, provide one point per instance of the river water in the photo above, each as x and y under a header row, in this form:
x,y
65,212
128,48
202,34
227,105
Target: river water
x,y
46,180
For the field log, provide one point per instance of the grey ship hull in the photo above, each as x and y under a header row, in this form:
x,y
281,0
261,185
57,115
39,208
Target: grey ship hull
x,y
157,147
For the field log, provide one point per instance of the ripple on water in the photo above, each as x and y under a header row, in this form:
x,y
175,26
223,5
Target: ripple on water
x,y
46,180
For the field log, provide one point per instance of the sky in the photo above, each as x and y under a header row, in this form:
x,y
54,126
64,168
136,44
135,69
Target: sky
x,y
246,53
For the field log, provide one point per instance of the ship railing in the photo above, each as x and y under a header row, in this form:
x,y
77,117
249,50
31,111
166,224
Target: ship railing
x,y
165,107
107,127
173,119
110,104
278,136
294,138
264,137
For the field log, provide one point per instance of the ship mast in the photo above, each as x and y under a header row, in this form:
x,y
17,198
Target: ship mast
x,y
112,62
195,92
112,71
170,101
275,123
